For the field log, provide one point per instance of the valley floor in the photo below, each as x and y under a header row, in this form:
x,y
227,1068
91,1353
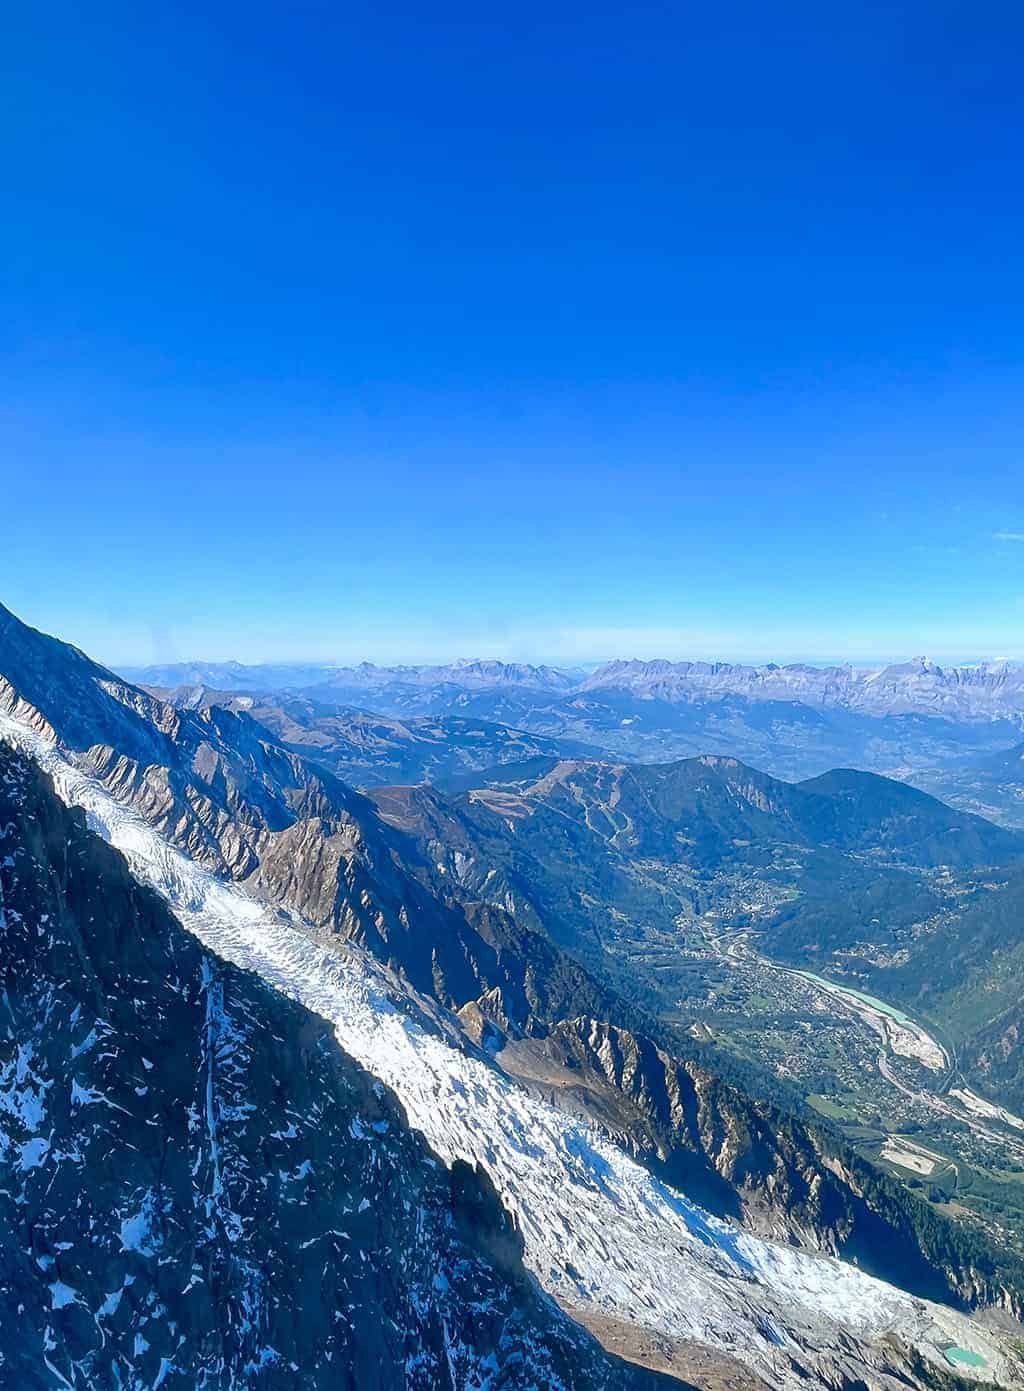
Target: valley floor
x,y
886,1080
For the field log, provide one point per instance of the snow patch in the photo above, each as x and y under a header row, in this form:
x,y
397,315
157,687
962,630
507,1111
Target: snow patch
x,y
137,1230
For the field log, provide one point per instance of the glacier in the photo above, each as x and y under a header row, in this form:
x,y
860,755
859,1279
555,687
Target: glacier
x,y
602,1235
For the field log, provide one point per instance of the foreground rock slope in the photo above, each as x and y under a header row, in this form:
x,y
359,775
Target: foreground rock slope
x,y
198,1188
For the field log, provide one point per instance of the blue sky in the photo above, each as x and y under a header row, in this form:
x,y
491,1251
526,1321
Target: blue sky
x,y
408,331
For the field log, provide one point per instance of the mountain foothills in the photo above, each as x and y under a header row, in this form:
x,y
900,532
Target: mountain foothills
x,y
766,917
992,785
415,1084
370,749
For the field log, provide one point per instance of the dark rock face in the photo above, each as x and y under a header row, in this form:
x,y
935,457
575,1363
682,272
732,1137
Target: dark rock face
x,y
197,1188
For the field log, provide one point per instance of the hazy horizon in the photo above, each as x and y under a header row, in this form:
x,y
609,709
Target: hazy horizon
x,y
585,665
567,649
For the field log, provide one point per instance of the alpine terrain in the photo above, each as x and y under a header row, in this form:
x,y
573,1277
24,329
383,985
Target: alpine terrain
x,y
429,1085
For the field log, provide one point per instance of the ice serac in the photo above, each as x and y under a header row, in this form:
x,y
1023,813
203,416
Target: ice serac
x,y
198,1188
599,1231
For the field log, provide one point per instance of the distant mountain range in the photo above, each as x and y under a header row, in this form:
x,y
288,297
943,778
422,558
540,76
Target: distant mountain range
x,y
793,721
466,674
986,691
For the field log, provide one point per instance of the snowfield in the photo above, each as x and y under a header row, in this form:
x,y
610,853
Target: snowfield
x,y
601,1233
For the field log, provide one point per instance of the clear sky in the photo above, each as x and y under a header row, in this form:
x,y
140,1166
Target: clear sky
x,y
546,331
